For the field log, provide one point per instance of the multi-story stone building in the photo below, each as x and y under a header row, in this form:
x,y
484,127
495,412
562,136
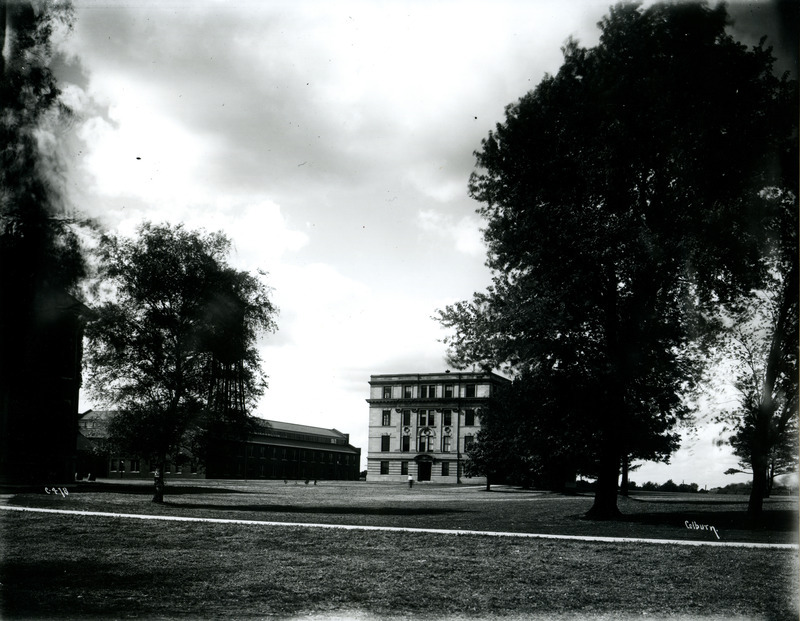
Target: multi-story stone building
x,y
421,425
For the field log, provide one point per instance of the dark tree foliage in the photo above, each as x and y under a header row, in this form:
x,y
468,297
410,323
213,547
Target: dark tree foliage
x,y
41,261
175,345
521,442
39,250
621,203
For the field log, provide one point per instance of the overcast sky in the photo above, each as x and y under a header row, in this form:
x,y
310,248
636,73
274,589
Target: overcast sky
x,y
332,142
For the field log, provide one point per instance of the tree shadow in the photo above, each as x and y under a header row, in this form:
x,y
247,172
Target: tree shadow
x,y
146,487
319,510
776,520
56,589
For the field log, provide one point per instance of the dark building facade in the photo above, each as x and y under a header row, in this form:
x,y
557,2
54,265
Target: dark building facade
x,y
273,450
39,387
278,450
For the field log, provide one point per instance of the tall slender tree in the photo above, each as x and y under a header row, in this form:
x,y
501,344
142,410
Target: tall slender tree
x,y
621,201
762,348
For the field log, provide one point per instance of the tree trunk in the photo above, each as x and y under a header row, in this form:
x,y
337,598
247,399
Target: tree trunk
x,y
759,460
759,490
158,481
623,486
605,495
770,478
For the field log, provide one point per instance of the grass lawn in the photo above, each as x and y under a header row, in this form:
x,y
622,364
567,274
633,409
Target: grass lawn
x,y
60,566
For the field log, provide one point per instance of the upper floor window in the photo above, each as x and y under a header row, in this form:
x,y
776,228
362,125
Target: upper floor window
x,y
468,442
448,391
405,444
469,418
447,417
427,391
406,392
386,418
425,444
387,392
426,418
446,444
406,417
385,443
469,391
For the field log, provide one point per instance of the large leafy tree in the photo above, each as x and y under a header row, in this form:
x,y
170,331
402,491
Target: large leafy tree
x,y
174,344
621,202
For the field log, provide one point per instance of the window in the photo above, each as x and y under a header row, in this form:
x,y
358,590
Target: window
x,y
387,392
384,467
448,391
405,445
446,440
134,465
469,418
425,444
386,419
468,442
406,417
445,468
403,467
427,391
385,443
447,417
426,418
469,391
406,392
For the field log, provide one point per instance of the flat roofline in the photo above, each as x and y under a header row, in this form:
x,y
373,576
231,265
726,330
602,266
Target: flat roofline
x,y
452,375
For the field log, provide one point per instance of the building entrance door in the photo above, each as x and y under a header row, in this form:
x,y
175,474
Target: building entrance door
x,y
424,471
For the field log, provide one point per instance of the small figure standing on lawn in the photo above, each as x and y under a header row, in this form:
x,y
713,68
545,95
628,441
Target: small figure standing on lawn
x,y
410,481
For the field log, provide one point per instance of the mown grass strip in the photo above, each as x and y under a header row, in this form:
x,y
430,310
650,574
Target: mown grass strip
x,y
435,531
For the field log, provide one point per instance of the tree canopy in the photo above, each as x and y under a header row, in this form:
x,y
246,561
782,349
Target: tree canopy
x,y
621,206
174,345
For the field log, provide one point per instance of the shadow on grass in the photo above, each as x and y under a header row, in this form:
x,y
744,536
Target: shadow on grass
x,y
334,510
661,500
777,520
55,589
145,487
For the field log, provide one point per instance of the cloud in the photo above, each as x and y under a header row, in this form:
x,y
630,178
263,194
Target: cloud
x,y
465,233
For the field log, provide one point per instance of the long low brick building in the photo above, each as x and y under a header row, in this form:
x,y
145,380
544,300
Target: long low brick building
x,y
275,450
